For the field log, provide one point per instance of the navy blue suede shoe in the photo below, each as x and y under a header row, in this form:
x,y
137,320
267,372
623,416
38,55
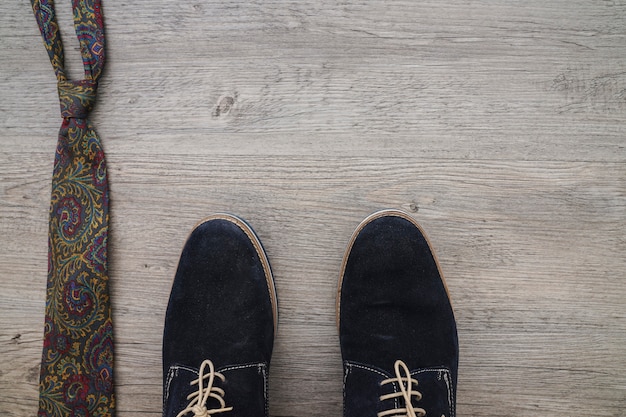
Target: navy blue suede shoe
x,y
396,325
220,324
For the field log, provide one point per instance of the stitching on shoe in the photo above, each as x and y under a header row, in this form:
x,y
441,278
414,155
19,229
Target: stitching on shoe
x,y
348,365
263,370
446,373
186,368
171,374
446,377
347,368
247,365
226,368
367,368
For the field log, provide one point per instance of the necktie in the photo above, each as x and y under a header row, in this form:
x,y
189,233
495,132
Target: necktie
x,y
76,376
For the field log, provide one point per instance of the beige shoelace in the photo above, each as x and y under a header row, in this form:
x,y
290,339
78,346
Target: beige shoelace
x,y
200,397
404,380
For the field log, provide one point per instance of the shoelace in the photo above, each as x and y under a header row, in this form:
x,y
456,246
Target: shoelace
x,y
200,397
404,380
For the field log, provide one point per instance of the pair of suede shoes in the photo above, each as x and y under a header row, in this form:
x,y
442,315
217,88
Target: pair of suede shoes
x,y
396,325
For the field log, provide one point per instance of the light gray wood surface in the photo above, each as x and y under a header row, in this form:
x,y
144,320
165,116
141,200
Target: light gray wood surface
x,y
499,125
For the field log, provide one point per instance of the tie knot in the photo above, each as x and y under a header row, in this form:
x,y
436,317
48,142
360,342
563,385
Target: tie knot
x,y
77,98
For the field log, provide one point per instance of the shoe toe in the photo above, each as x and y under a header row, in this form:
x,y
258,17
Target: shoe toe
x,y
222,303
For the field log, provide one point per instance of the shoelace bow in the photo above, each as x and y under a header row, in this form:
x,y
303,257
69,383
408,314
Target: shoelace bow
x,y
200,397
405,382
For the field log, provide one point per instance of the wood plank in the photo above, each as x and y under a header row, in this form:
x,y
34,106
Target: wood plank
x,y
525,295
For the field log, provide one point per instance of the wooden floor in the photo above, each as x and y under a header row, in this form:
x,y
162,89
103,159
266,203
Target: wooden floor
x,y
501,126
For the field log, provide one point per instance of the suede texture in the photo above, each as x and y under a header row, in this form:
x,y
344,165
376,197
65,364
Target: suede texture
x,y
220,309
394,306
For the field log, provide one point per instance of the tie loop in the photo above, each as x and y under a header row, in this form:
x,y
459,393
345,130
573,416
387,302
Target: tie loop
x,y
77,98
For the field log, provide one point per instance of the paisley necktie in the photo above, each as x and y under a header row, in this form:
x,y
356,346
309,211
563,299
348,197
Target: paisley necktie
x,y
77,362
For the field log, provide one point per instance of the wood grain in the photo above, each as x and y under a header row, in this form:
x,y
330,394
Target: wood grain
x,y
500,127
